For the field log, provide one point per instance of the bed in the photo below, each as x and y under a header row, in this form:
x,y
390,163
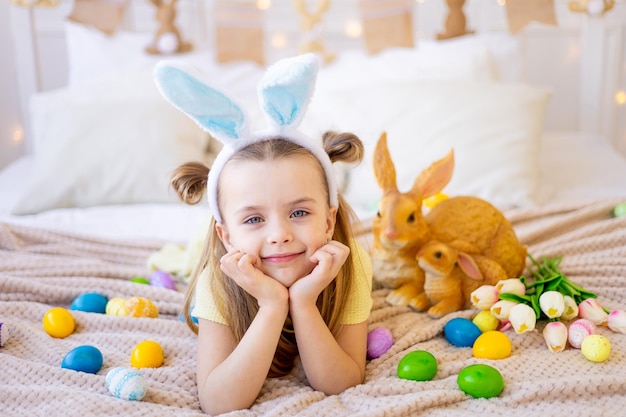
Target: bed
x,y
537,127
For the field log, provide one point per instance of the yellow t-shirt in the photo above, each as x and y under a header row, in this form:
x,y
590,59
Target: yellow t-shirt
x,y
357,308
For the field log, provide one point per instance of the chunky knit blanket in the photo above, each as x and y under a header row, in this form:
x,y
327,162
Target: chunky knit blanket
x,y
41,269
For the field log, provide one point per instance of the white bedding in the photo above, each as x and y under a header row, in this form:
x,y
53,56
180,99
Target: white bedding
x,y
574,167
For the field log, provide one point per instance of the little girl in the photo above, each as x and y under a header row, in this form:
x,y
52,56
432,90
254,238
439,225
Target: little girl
x,y
280,275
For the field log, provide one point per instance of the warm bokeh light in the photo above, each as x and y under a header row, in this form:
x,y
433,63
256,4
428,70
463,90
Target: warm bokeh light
x,y
263,4
353,28
620,97
279,41
502,2
18,134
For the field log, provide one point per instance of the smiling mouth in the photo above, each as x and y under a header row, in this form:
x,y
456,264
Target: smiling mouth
x,y
282,258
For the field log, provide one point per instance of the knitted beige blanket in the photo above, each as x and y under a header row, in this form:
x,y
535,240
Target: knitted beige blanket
x,y
40,269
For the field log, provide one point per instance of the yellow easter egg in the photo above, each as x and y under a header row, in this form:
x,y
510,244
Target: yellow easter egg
x,y
140,307
433,200
115,307
596,348
486,321
147,354
492,345
58,322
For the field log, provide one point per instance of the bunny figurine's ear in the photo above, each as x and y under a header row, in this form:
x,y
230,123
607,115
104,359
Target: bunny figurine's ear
x,y
214,112
286,89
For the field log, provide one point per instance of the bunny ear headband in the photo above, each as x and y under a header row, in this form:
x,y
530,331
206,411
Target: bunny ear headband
x,y
284,94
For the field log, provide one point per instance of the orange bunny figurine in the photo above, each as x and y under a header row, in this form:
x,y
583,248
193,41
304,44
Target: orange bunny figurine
x,y
400,229
452,272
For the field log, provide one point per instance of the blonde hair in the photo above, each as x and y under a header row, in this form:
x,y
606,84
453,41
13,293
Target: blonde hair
x,y
237,306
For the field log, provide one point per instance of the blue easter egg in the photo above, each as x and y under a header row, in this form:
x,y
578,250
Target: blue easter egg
x,y
162,279
126,383
461,332
90,302
84,358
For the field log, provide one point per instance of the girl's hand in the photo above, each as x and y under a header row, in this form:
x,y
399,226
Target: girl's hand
x,y
329,259
241,268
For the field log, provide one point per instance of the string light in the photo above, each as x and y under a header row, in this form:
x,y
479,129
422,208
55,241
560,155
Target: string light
x,y
279,40
18,135
620,97
353,28
263,4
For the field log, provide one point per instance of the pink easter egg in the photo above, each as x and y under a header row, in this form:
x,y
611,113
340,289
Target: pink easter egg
x,y
379,340
578,330
162,279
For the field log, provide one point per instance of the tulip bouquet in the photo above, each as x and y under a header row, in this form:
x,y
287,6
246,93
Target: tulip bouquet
x,y
548,294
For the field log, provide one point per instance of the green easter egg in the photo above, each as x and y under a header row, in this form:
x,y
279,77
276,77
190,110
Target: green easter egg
x,y
418,365
140,280
619,210
480,381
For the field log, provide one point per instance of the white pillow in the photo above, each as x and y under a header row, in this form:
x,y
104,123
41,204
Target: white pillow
x,y
494,129
112,142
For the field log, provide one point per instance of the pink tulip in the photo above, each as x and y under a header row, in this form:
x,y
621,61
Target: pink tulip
x,y
591,310
617,321
512,285
555,335
484,297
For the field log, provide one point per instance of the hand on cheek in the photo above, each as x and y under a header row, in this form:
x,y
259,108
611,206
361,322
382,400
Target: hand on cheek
x,y
328,259
241,268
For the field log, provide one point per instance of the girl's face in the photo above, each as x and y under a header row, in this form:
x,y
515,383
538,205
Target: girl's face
x,y
277,211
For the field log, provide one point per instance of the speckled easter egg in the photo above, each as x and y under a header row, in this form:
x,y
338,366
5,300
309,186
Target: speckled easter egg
x,y
492,345
578,330
147,354
140,307
4,334
480,381
115,306
418,365
58,322
126,383
379,340
84,358
461,332
596,348
90,302
162,279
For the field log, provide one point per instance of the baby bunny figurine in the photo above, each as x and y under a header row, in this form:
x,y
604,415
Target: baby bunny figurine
x,y
400,229
452,272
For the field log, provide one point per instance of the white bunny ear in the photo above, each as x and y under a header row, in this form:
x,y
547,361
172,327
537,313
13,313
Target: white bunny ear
x,y
286,89
214,112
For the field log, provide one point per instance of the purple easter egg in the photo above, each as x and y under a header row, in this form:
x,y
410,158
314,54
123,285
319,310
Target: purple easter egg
x,y
379,340
162,279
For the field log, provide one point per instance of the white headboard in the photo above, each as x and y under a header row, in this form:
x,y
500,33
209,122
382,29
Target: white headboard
x,y
583,59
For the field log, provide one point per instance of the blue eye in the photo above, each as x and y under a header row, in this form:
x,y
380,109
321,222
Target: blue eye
x,y
299,213
253,220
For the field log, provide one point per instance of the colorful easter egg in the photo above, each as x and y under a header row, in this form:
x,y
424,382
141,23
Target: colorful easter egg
x,y
126,383
58,322
162,279
4,334
596,348
461,332
418,365
84,358
379,340
486,321
480,381
492,345
90,302
140,307
140,280
147,354
116,307
579,330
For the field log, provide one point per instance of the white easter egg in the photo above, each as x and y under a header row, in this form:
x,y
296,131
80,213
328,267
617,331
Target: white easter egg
x,y
126,383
